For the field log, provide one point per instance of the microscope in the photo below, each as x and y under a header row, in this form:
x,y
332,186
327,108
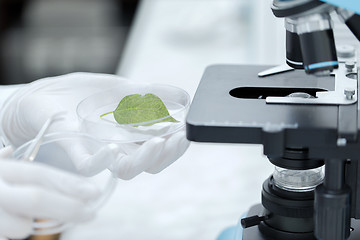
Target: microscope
x,y
306,115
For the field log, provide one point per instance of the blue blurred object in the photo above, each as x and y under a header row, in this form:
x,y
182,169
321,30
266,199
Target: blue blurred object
x,y
231,233
352,5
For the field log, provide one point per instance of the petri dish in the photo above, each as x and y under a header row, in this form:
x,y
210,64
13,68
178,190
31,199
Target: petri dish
x,y
176,100
62,151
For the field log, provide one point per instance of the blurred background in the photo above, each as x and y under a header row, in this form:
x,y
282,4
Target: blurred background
x,y
40,38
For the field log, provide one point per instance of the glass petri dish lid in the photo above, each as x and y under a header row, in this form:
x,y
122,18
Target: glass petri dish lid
x,y
176,100
65,151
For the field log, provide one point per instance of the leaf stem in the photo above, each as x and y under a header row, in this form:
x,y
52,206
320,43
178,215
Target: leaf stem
x,y
105,114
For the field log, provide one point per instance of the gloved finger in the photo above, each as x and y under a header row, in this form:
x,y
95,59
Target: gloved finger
x,y
173,149
128,166
17,172
87,162
36,202
6,151
13,226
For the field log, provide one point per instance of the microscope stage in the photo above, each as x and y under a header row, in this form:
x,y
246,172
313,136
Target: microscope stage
x,y
230,106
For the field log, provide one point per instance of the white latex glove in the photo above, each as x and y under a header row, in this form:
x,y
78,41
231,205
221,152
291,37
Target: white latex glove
x,y
26,111
31,190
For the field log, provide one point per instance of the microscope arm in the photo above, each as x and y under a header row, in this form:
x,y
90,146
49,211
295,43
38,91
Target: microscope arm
x,y
352,20
349,11
310,41
351,5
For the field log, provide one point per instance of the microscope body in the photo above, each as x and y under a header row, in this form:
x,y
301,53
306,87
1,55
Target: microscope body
x,y
306,117
299,134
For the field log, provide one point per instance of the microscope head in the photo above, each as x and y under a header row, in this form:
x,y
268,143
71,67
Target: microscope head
x,y
303,122
310,43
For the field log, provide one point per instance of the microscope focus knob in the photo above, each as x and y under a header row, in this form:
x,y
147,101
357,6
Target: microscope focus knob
x,y
332,214
252,221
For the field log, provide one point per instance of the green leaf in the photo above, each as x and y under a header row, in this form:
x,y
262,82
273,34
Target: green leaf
x,y
138,108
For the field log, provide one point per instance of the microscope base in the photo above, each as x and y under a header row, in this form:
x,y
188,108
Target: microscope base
x,y
253,233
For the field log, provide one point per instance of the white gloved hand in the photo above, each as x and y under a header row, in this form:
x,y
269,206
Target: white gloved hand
x,y
26,111
31,190
154,156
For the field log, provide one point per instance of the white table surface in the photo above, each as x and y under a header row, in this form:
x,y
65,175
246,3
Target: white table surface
x,y
212,185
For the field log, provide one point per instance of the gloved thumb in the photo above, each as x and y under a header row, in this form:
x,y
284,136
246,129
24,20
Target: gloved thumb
x,y
174,147
127,166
